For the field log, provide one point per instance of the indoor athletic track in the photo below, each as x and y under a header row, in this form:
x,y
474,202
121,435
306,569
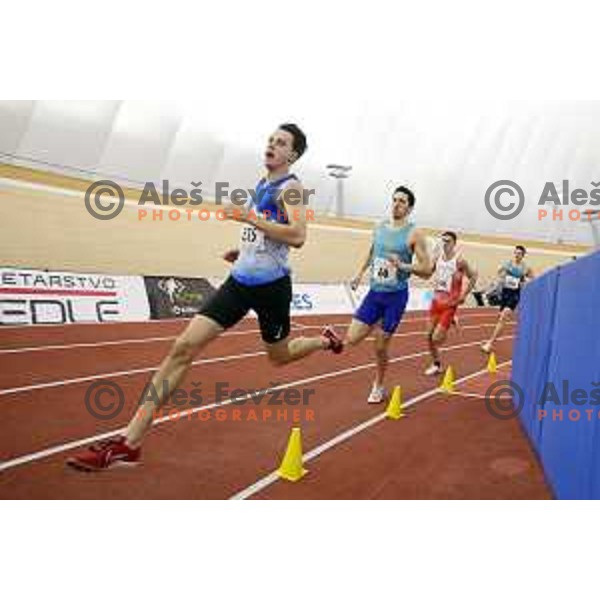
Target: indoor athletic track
x,y
448,446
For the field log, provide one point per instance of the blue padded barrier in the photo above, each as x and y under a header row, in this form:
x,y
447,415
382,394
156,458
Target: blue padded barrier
x,y
532,346
557,354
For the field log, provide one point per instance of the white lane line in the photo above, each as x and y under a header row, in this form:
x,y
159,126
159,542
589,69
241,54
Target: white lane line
x,y
295,327
271,478
85,345
149,340
205,361
467,395
422,333
51,384
298,326
127,341
28,458
137,341
94,323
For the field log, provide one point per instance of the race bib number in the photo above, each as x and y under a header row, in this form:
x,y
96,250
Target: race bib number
x,y
252,238
512,283
384,271
444,278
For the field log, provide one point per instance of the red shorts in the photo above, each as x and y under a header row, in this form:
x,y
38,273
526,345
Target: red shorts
x,y
441,314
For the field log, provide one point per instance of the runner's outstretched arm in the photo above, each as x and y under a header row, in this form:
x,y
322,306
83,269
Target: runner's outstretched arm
x,y
363,269
473,276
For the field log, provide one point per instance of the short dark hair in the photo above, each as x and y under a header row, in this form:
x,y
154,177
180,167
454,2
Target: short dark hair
x,y
451,234
521,248
404,190
299,144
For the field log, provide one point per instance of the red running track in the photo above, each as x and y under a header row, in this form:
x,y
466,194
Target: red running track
x,y
448,446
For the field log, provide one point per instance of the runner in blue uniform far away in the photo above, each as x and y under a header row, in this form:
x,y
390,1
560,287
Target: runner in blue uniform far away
x,y
513,274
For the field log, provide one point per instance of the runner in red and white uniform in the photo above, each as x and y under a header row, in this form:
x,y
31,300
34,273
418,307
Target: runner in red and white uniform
x,y
450,272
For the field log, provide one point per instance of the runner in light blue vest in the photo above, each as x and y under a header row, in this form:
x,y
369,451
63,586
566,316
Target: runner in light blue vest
x,y
395,243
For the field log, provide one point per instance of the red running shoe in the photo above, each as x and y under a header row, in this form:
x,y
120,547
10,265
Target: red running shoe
x,y
106,454
336,345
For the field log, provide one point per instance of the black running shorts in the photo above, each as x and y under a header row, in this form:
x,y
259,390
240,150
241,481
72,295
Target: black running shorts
x,y
270,301
510,299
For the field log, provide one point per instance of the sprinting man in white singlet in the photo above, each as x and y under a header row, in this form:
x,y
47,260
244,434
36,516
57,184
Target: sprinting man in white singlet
x,y
450,272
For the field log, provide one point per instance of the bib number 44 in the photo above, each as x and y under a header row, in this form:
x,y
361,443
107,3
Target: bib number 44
x,y
384,271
